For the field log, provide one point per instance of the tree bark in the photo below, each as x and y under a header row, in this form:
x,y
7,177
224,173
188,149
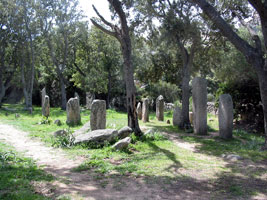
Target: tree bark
x,y
109,87
123,36
262,76
187,65
2,67
59,73
63,90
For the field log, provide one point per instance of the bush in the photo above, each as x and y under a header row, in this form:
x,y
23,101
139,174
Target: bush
x,y
170,92
246,100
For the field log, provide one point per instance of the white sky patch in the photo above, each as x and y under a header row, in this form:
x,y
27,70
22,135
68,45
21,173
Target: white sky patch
x,y
101,5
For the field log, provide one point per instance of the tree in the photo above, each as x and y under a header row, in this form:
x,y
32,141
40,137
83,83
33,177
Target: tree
x,y
178,24
58,22
7,21
123,36
255,55
97,61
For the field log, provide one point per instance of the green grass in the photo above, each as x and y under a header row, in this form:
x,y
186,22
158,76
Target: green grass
x,y
155,157
17,175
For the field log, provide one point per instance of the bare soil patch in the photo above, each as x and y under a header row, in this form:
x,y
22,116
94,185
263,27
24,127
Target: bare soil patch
x,y
90,185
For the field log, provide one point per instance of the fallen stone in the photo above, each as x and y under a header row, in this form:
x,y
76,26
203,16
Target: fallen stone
x,y
150,131
86,128
60,133
97,136
124,132
58,122
232,157
122,144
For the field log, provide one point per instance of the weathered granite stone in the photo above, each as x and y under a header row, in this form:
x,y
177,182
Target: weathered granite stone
x,y
73,112
232,157
58,122
191,117
122,144
98,115
60,133
160,108
97,136
43,93
177,116
225,116
85,129
199,94
145,110
89,100
168,106
46,106
139,110
124,132
77,95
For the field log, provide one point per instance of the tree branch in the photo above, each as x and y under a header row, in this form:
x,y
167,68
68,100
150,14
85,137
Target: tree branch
x,y
103,19
112,33
225,28
79,70
258,5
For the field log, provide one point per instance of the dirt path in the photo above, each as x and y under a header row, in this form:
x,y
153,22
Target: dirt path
x,y
88,185
84,185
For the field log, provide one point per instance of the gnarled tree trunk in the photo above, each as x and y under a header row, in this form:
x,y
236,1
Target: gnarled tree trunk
x,y
123,36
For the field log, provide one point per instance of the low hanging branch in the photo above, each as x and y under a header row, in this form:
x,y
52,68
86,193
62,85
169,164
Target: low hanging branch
x,y
123,36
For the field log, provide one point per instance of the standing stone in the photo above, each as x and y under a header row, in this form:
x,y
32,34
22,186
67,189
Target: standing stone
x,y
160,108
199,94
145,110
139,110
225,116
177,116
89,100
98,115
77,95
43,93
191,117
73,112
46,106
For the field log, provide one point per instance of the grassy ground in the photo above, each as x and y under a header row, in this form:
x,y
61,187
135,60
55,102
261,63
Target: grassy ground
x,y
158,159
18,174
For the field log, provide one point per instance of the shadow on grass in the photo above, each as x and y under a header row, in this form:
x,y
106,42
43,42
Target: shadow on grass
x,y
17,176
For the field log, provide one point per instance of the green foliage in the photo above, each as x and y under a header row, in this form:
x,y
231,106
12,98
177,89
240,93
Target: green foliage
x,y
64,141
170,92
18,174
246,99
98,57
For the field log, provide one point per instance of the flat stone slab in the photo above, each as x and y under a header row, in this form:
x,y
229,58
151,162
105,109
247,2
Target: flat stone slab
x,y
86,128
124,132
232,157
122,144
97,136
